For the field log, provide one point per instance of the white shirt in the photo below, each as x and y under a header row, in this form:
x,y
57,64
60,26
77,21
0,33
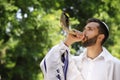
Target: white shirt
x,y
93,69
103,67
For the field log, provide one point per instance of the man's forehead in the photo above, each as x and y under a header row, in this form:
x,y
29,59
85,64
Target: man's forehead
x,y
92,25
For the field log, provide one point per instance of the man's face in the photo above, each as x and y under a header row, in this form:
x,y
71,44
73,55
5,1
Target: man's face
x,y
91,33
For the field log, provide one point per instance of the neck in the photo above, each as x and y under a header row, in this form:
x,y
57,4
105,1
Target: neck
x,y
94,51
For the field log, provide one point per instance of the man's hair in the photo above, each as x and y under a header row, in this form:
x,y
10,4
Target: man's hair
x,y
103,28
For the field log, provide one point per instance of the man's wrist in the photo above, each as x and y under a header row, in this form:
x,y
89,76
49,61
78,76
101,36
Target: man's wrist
x,y
67,43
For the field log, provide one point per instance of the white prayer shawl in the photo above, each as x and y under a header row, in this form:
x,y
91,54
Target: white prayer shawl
x,y
52,66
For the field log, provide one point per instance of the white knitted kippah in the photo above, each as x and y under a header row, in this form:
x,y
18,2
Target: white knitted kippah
x,y
106,26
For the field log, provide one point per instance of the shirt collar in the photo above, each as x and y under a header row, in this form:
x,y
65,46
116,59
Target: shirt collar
x,y
104,54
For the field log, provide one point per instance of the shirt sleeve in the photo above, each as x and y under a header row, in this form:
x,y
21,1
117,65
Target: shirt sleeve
x,y
51,65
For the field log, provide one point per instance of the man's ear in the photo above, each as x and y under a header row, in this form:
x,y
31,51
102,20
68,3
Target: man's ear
x,y
101,37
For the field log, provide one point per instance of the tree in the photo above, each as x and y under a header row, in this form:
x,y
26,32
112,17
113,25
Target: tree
x,y
27,34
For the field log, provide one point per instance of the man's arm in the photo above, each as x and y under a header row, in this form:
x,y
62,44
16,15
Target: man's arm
x,y
51,65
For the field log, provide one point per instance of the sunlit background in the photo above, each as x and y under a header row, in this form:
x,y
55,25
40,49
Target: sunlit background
x,y
29,28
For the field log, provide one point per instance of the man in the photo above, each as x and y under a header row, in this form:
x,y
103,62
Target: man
x,y
95,63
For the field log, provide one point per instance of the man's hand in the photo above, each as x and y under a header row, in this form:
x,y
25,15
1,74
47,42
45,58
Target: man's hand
x,y
70,39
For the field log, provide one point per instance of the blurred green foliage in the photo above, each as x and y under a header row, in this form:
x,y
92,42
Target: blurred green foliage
x,y
29,28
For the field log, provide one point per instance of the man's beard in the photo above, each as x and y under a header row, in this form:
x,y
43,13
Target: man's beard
x,y
90,42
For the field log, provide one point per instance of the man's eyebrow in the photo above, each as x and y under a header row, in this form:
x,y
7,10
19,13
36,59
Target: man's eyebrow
x,y
87,27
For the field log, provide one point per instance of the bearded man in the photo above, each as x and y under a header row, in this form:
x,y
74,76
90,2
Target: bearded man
x,y
95,63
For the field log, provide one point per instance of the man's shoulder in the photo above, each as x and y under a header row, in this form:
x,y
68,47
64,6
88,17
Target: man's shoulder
x,y
114,60
110,57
